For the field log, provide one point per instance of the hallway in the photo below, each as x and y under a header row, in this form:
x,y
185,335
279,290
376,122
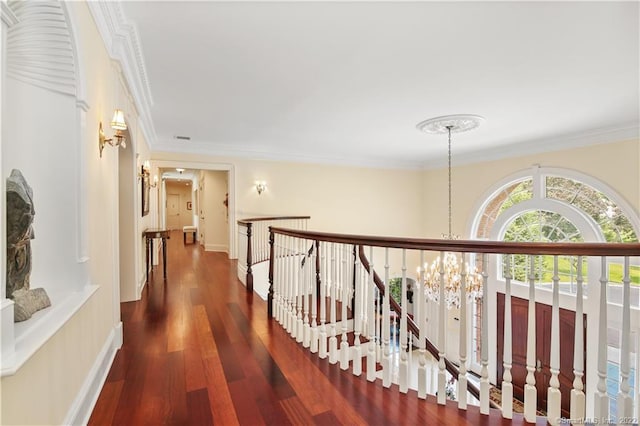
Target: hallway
x,y
199,350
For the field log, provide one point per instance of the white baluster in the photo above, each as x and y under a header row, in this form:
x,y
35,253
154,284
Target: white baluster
x,y
333,340
577,393
324,281
300,291
292,287
601,399
357,319
484,353
625,402
287,274
553,393
422,325
306,295
386,326
314,298
403,380
507,386
442,325
462,374
371,322
345,279
530,392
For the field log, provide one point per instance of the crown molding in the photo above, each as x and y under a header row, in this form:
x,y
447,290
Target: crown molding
x,y
225,150
123,45
8,17
624,132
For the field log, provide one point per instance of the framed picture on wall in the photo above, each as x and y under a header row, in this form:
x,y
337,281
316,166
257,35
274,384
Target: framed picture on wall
x,y
189,205
145,192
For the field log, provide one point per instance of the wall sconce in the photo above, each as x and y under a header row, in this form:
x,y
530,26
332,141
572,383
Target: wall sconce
x,y
118,139
261,186
155,182
144,171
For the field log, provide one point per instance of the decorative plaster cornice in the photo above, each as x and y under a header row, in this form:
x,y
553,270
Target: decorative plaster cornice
x,y
8,17
537,146
39,47
224,150
123,45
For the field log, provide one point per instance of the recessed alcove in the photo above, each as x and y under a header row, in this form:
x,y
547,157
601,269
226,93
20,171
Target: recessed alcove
x,y
42,119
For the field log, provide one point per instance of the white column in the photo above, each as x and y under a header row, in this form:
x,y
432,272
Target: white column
x,y
403,380
442,325
530,392
601,399
625,402
553,393
577,393
507,386
484,353
462,374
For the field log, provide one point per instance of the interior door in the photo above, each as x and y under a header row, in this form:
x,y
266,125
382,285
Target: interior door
x,y
173,211
519,323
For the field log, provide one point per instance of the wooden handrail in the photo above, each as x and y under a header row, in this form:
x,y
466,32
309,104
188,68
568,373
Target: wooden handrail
x,y
244,222
413,327
470,246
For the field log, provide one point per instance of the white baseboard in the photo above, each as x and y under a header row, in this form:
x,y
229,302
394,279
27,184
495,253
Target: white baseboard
x,y
85,401
141,283
216,247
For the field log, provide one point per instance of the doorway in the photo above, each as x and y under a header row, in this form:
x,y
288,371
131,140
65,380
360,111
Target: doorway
x,y
173,211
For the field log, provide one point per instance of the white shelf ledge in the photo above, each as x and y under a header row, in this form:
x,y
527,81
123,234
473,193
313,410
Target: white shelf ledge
x,y
32,334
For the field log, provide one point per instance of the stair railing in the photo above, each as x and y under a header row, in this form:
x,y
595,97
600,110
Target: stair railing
x,y
253,240
358,316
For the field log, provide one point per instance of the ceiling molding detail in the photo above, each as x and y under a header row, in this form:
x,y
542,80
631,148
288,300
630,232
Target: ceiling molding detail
x,y
558,143
123,45
39,47
224,150
8,17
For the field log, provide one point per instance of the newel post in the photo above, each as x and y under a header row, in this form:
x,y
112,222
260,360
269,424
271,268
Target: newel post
x,y
271,261
249,271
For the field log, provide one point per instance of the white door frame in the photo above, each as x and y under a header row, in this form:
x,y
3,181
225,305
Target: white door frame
x,y
230,168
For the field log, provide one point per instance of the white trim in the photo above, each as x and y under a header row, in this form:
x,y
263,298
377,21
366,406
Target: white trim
x,y
626,131
43,325
228,150
8,17
232,250
82,406
216,247
123,45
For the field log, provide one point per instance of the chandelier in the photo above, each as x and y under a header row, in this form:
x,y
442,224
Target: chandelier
x,y
455,273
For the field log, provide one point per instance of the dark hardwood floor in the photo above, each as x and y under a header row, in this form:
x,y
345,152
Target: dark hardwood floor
x,y
199,350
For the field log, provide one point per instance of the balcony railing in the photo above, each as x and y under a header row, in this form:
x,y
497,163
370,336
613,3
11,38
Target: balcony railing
x,y
336,301
253,241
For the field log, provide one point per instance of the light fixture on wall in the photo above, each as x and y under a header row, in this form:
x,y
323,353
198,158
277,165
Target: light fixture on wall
x,y
118,124
155,181
261,186
452,269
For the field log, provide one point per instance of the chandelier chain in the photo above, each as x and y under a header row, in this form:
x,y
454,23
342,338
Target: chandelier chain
x,y
449,131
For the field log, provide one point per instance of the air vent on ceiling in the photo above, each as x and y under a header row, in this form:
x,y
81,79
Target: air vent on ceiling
x,y
183,138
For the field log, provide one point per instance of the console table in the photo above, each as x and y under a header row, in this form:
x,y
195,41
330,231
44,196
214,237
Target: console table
x,y
150,235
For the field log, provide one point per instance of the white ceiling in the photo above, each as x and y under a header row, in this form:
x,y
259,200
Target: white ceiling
x,y
347,82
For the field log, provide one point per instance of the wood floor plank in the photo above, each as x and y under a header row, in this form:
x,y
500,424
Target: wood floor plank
x,y
107,404
198,349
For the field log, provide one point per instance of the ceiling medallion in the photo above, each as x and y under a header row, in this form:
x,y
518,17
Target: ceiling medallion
x,y
456,123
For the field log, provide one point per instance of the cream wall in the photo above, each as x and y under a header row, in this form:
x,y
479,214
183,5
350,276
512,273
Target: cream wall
x,y
185,193
338,198
615,164
57,383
